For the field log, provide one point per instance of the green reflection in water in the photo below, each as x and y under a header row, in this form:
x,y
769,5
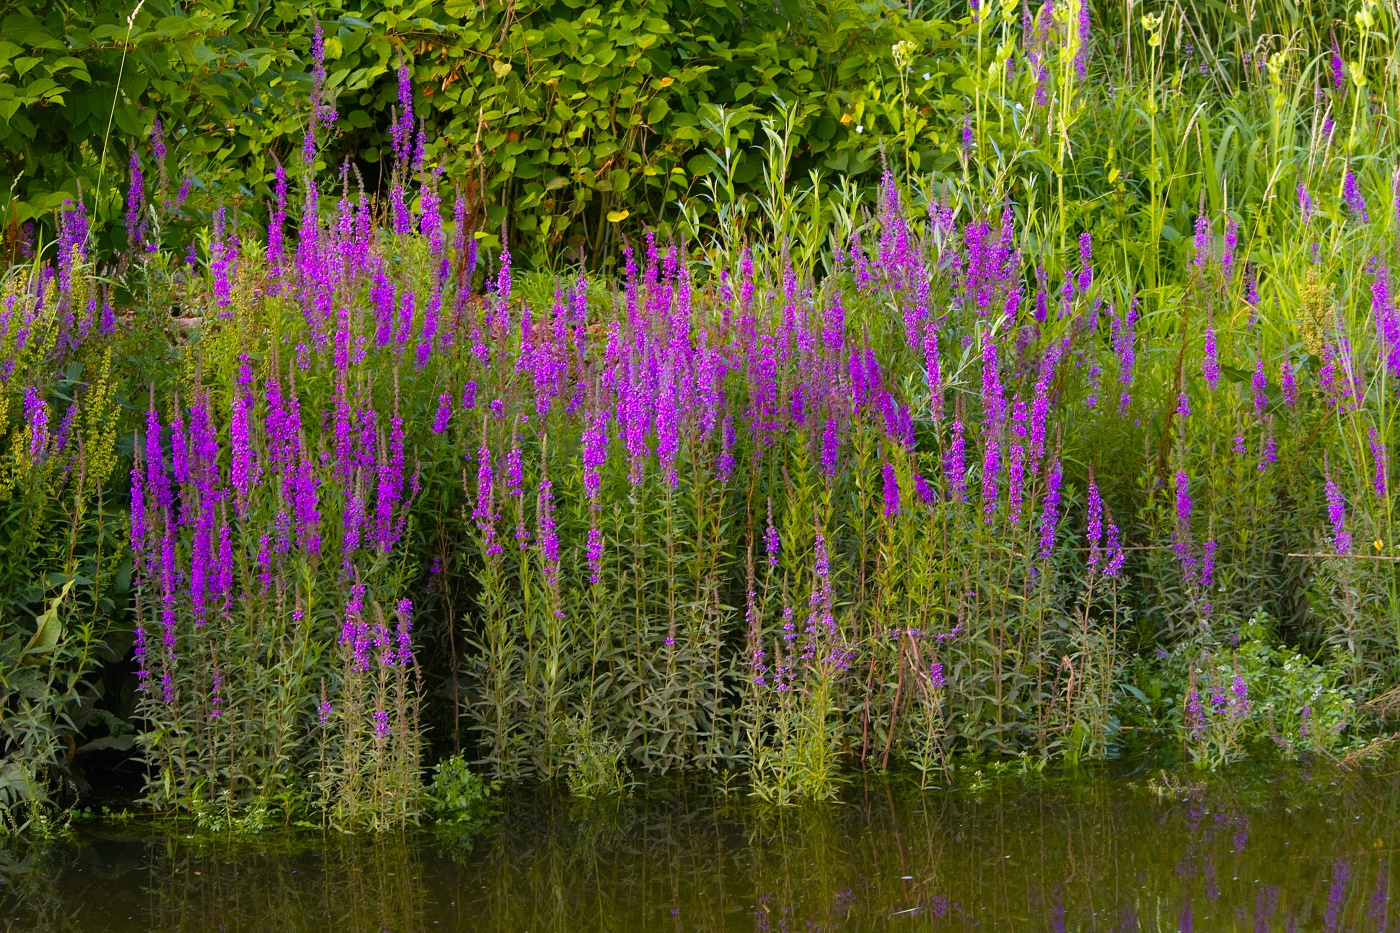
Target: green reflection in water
x,y
1305,851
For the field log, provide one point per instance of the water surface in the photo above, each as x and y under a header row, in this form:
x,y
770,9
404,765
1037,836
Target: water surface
x,y
1298,850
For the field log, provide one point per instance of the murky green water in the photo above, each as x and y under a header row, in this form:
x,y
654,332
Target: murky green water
x,y
1295,851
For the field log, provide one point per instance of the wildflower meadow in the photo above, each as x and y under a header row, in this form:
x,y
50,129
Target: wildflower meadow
x,y
1029,395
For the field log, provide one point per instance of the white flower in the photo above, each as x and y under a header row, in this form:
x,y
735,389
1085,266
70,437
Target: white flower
x,y
926,75
860,128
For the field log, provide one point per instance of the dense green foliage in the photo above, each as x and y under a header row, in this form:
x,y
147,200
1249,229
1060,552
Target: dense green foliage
x,y
1030,394
559,116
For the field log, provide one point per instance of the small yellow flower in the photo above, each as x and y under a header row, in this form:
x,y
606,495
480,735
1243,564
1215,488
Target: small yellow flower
x,y
1377,544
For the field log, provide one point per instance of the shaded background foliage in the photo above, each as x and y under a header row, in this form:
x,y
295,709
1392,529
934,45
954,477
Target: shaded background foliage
x,y
562,114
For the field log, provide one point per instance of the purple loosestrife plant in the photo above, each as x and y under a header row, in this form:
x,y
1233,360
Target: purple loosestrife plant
x,y
1227,255
390,487
444,413
891,490
1356,204
1268,454
402,129
515,475
72,243
36,417
770,537
1337,515
1050,511
1239,698
1094,532
221,258
1183,500
483,515
135,206
955,464
278,220
1125,346
1260,384
548,531
1114,547
933,370
1086,254
993,418
1040,407
1016,466
1081,55
1210,366
1380,461
1289,382
1202,242
1195,716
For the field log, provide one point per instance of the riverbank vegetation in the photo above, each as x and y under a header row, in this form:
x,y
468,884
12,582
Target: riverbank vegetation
x,y
1018,385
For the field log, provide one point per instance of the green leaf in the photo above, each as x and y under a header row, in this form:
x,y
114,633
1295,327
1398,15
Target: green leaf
x,y
129,120
121,743
68,62
49,627
30,33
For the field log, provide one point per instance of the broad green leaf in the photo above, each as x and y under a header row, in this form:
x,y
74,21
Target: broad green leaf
x,y
49,626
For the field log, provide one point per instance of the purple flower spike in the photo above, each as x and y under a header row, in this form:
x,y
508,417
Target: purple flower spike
x,y
1337,515
955,464
891,491
1183,500
1115,552
1050,515
770,538
135,206
1381,461
444,413
36,415
595,555
1202,242
1356,204
1259,384
1094,533
1210,367
1227,255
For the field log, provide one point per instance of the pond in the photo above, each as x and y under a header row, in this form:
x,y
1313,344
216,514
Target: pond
x,y
1265,851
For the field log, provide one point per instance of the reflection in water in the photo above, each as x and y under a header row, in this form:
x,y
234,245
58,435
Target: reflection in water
x,y
1295,852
